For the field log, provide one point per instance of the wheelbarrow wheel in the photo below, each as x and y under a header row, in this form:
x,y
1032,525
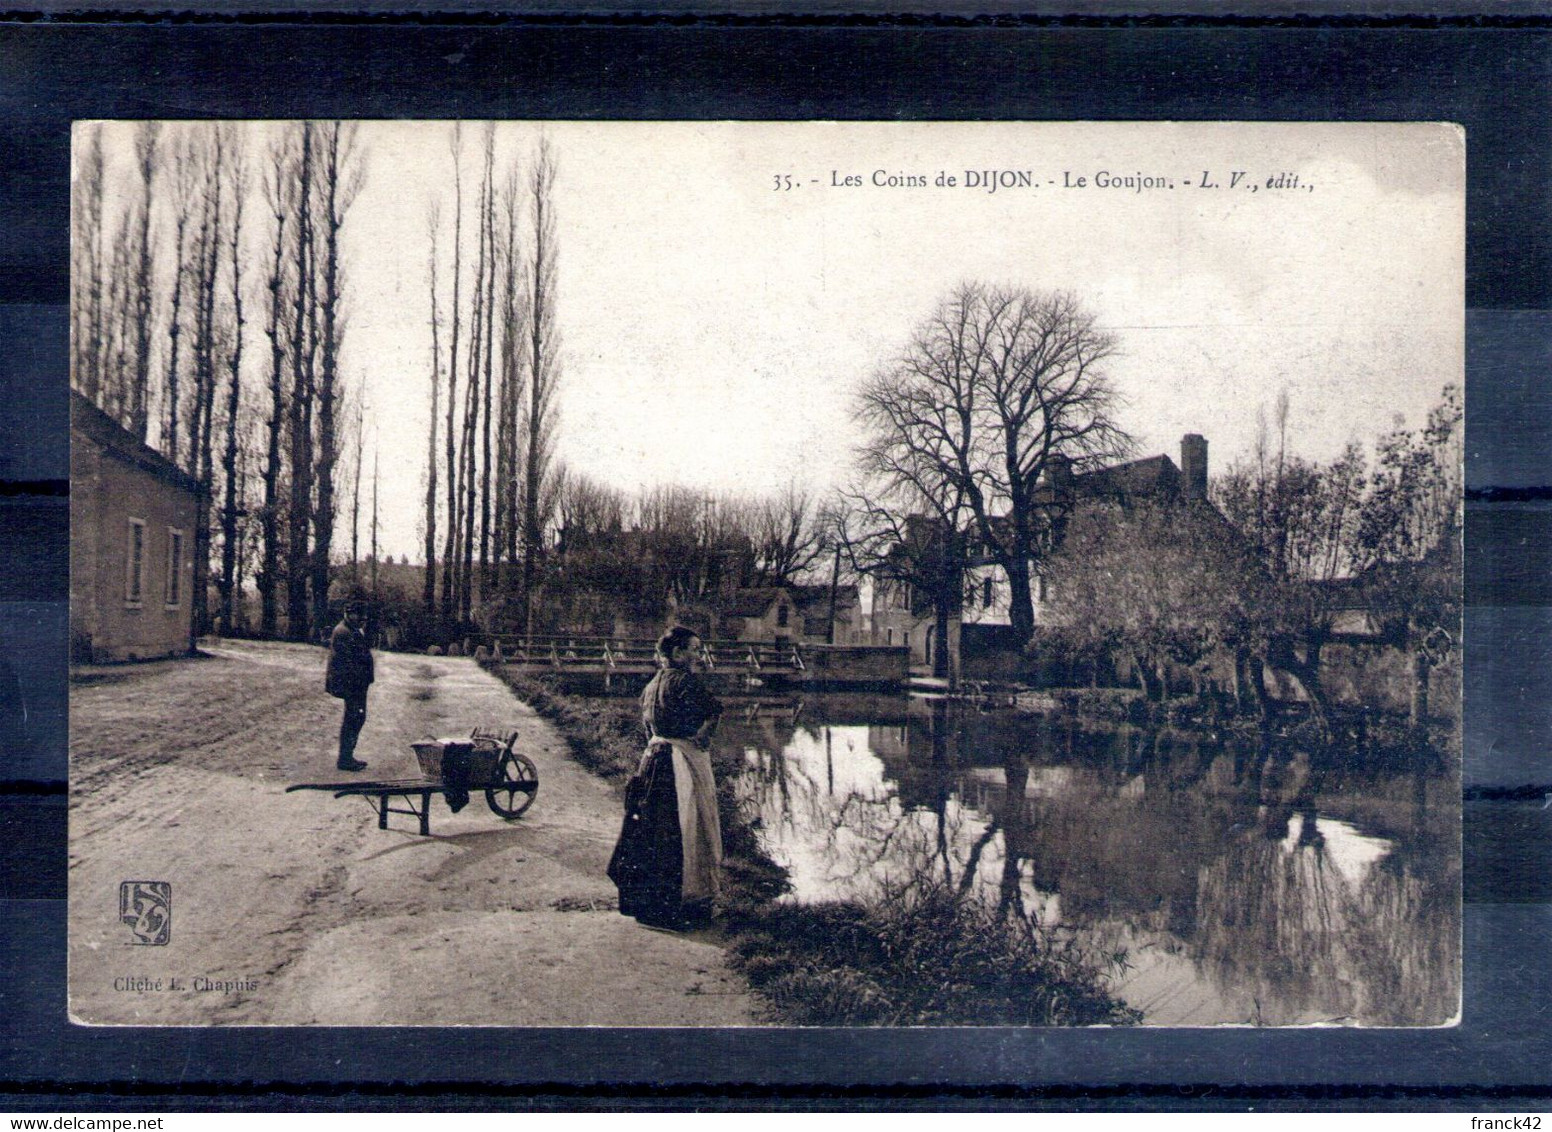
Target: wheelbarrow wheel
x,y
517,781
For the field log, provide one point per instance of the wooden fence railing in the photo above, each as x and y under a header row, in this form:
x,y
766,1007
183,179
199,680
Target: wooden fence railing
x,y
617,653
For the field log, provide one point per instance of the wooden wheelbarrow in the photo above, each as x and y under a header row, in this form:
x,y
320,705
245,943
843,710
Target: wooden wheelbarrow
x,y
453,768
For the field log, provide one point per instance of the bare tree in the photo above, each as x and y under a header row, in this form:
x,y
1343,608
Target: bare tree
x,y
990,386
302,354
341,180
468,456
513,316
669,519
788,535
231,504
585,507
185,189
375,591
910,540
543,373
433,222
209,336
278,193
87,333
190,395
355,504
450,544
114,393
146,135
248,529
489,221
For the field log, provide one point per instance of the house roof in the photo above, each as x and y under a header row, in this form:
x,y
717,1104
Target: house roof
x,y
752,602
97,426
1369,589
813,600
1152,475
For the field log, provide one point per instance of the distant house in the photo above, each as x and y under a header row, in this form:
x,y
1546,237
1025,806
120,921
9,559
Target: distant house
x,y
791,614
1062,492
762,614
902,615
814,606
979,627
1364,607
133,516
901,611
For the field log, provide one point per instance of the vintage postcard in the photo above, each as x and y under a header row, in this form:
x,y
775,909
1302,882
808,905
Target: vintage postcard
x,y
728,574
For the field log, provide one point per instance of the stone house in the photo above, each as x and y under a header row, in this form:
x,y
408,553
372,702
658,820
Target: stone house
x,y
979,639
133,518
813,604
760,615
1154,478
792,614
902,615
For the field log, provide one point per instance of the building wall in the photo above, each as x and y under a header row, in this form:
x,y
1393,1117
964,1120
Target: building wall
x,y
766,629
846,629
991,581
105,493
900,628
981,583
894,628
859,665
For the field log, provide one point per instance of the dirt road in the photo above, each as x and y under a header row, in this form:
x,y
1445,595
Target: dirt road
x,y
296,909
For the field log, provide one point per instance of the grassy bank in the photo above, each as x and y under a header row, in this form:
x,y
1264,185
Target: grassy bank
x,y
604,733
921,956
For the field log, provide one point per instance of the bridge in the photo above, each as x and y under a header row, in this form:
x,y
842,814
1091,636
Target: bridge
x,y
608,657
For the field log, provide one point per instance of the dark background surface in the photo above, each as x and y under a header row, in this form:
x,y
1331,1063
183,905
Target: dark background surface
x,y
1493,79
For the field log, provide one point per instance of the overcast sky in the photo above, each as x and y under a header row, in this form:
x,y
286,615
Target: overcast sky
x,y
714,326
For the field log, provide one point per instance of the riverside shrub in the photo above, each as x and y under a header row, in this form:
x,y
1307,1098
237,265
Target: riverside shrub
x,y
921,956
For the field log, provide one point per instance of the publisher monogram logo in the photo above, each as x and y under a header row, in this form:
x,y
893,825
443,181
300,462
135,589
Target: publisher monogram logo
x,y
146,906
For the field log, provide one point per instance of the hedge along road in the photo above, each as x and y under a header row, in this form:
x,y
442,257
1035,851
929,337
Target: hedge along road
x,y
295,908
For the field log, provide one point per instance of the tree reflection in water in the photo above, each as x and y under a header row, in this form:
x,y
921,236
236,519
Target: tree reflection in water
x,y
1312,920
1249,884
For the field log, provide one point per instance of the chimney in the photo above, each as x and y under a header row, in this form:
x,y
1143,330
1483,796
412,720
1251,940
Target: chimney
x,y
1193,466
1058,473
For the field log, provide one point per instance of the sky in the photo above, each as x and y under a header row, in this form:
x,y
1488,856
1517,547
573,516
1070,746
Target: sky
x,y
715,324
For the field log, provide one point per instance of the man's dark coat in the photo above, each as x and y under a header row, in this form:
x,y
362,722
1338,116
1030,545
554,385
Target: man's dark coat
x,y
350,664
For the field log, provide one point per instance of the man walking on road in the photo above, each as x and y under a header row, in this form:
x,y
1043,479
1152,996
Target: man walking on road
x,y
349,676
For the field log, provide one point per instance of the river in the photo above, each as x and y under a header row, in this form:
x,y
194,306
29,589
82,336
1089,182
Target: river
x,y
1243,886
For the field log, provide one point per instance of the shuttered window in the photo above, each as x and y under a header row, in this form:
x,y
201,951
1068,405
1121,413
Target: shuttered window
x,y
174,587
134,563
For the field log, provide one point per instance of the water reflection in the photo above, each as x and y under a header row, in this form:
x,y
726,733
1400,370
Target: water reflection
x,y
1246,883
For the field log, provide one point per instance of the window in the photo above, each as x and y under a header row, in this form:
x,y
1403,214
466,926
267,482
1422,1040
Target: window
x,y
1040,587
889,636
783,613
174,588
134,563
986,593
907,638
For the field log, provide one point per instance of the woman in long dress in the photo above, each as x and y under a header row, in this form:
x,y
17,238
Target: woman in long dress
x,y
668,862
